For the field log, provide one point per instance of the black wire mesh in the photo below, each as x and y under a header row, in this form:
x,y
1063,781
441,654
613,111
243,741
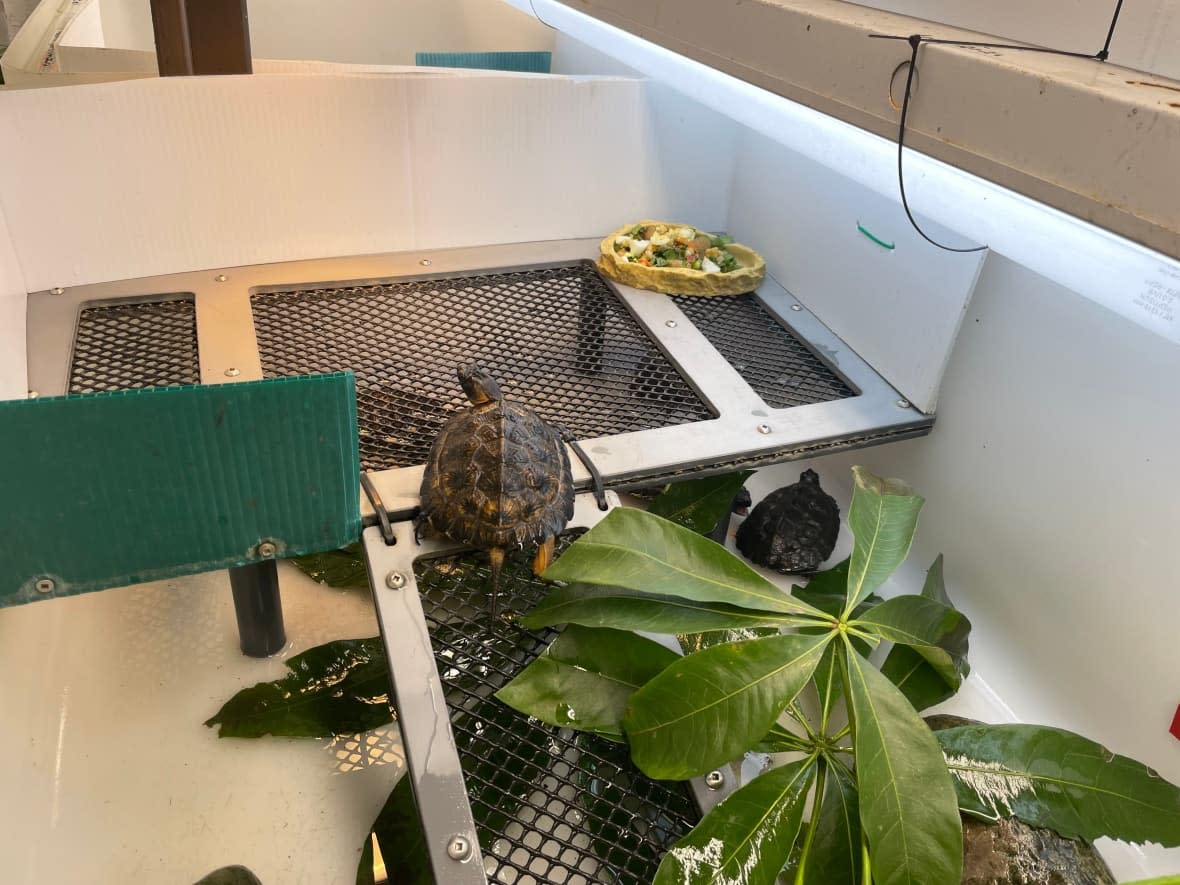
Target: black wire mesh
x,y
776,364
551,805
557,339
135,344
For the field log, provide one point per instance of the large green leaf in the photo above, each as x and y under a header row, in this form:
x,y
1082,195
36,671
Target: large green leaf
x,y
916,677
341,687
747,838
1053,778
634,610
711,706
403,844
935,631
882,516
639,551
834,855
699,504
344,568
908,808
584,678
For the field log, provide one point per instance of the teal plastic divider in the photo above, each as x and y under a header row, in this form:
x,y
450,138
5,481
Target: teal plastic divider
x,y
527,62
109,489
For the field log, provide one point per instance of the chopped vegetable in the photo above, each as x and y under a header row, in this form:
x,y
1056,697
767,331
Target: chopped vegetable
x,y
658,245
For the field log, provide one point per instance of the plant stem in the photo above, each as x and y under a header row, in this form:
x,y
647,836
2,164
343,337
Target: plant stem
x,y
843,731
866,866
799,717
813,822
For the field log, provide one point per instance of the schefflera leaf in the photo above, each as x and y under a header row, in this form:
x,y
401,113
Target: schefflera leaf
x,y
748,837
584,678
646,553
699,504
711,706
1053,778
883,516
835,851
908,809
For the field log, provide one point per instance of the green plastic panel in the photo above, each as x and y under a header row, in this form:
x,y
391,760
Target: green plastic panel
x,y
109,489
528,62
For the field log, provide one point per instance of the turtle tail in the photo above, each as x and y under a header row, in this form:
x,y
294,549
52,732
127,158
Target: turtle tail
x,y
496,560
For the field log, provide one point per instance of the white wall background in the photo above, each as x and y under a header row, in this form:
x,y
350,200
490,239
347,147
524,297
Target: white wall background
x,y
1146,39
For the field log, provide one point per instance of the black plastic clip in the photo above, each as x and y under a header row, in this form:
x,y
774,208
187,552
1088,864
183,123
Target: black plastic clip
x,y
379,509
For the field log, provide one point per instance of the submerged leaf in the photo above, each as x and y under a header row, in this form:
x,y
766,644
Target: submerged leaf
x,y
403,844
711,706
343,568
634,610
1052,778
638,551
908,809
882,516
699,504
341,687
584,678
748,837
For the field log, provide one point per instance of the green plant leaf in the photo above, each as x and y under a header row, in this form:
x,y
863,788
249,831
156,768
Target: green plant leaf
x,y
916,678
935,631
343,568
1048,777
711,706
835,850
584,678
882,516
639,551
908,808
830,582
699,504
634,610
934,587
748,837
341,687
403,844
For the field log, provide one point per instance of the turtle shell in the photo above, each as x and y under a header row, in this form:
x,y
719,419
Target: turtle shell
x,y
793,529
498,477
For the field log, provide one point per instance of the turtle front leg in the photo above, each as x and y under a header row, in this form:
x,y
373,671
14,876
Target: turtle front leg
x,y
544,555
496,561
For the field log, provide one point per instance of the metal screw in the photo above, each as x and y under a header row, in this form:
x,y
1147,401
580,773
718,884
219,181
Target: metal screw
x,y
395,581
33,394
57,290
764,428
671,324
459,848
796,307
267,548
232,373
45,585
426,262
221,278
715,780
903,403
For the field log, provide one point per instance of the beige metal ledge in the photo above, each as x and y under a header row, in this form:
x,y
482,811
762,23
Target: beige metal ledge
x,y
1095,140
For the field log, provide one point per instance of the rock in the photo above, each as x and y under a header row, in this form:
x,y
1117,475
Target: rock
x,y
1010,852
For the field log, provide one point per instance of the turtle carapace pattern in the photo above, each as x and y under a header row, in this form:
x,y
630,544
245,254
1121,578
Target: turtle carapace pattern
x,y
498,477
793,529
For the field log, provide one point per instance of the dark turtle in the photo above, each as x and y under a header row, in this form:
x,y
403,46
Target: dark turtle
x,y
793,529
498,477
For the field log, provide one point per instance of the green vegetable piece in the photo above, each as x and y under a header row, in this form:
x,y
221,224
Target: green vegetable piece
x,y
343,568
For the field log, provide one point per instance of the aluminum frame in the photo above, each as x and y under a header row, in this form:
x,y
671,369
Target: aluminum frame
x,y
746,432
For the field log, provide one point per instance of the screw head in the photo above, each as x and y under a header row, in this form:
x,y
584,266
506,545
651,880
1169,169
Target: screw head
x,y
671,324
903,403
45,585
796,307
459,848
267,548
764,428
57,290
232,373
33,394
395,581
426,262
714,780
220,278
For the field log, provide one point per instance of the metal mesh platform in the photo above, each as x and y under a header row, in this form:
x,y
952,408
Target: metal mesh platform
x,y
557,338
551,805
777,365
135,344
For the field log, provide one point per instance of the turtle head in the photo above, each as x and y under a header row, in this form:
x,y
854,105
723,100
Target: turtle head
x,y
479,386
